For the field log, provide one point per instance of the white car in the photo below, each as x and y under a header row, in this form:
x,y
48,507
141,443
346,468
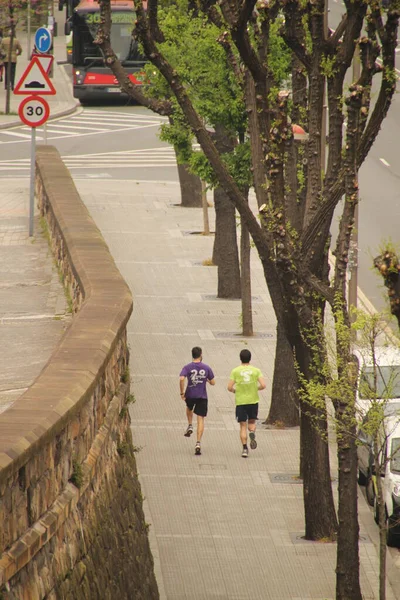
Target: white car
x,y
387,360
390,477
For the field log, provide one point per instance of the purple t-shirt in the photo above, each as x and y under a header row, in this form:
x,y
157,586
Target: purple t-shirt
x,y
197,374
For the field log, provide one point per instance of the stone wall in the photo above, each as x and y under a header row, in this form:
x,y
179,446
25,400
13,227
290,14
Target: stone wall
x,y
71,518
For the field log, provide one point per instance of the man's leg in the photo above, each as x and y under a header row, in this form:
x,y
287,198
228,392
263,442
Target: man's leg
x,y
13,69
189,416
200,428
201,412
252,433
243,432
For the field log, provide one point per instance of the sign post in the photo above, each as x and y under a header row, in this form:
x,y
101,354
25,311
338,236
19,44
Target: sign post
x,y
34,111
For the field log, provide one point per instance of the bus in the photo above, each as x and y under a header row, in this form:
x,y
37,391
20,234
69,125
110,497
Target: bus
x,y
92,79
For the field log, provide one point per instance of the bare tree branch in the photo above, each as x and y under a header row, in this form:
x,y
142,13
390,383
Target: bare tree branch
x,y
161,107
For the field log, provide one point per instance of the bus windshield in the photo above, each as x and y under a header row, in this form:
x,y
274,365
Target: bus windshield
x,y
124,46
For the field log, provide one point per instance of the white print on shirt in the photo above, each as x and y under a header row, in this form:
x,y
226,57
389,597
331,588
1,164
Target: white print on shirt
x,y
246,374
196,377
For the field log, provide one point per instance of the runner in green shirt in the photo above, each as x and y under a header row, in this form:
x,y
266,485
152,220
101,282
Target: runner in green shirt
x,y
245,382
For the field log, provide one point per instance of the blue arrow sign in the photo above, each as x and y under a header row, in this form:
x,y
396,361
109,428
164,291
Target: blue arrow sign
x,y
42,40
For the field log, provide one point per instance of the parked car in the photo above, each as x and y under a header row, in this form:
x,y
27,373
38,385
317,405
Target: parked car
x,y
387,360
388,449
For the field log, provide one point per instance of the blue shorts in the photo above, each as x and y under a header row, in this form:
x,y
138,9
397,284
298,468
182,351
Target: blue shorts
x,y
246,411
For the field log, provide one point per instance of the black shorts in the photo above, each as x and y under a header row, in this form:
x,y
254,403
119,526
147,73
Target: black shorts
x,y
198,405
246,411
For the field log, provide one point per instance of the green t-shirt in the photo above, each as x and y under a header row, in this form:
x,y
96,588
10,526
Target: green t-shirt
x,y
246,384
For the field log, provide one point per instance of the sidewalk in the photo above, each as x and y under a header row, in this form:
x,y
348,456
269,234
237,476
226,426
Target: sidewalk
x,y
33,311
221,527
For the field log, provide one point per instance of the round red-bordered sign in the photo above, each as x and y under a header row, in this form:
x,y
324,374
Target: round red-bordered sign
x,y
34,111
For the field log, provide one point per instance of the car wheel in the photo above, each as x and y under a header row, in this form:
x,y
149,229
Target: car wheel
x,y
392,540
361,478
370,491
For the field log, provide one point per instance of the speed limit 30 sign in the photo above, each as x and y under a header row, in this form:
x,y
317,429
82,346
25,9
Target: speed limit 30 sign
x,y
34,111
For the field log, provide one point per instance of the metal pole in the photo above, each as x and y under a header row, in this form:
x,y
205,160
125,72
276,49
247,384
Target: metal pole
x,y
45,132
28,27
353,250
324,104
32,181
204,203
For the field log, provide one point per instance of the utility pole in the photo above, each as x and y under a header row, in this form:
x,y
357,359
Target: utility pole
x,y
353,250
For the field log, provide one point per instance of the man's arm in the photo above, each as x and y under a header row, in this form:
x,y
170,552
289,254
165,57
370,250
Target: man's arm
x,y
231,386
182,386
261,383
211,381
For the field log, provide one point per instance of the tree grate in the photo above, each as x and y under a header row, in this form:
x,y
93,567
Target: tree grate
x,y
235,335
292,478
214,298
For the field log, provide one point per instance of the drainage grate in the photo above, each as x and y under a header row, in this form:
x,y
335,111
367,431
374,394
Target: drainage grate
x,y
285,478
205,467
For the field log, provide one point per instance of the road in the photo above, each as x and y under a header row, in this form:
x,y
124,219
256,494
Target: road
x,y
379,178
114,142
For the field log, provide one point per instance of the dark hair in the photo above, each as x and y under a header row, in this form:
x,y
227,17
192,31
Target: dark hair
x,y
196,352
245,356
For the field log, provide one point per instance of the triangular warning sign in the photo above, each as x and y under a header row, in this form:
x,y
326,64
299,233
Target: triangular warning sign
x,y
35,81
46,60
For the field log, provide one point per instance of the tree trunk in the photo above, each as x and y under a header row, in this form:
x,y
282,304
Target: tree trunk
x,y
319,509
190,187
225,253
284,409
347,562
245,278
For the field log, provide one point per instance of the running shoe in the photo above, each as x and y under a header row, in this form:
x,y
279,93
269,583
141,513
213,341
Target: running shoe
x,y
197,449
253,443
188,431
245,453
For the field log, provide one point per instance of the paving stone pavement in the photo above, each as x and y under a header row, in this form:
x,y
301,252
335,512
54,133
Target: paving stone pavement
x,y
33,309
221,527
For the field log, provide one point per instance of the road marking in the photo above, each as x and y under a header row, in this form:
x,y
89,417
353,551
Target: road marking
x,y
23,135
58,137
385,162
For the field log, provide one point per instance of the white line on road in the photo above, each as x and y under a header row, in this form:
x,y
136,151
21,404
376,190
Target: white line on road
x,y
23,135
385,162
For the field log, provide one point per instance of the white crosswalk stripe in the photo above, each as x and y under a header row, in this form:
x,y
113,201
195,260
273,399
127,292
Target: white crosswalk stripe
x,y
88,123
150,157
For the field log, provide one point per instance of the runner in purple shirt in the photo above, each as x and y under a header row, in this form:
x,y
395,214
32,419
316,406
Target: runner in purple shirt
x,y
197,374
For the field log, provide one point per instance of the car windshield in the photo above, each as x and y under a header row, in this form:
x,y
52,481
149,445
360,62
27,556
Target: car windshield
x,y
395,455
387,383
